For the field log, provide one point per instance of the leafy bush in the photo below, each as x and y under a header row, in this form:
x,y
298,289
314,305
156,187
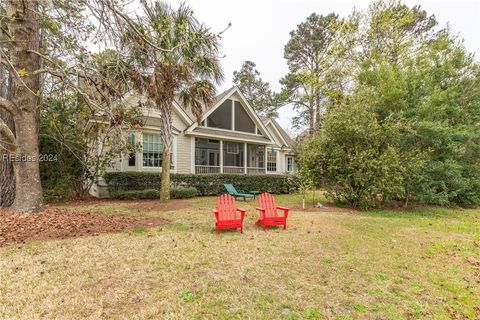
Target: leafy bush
x,y
183,193
61,171
208,184
179,193
357,157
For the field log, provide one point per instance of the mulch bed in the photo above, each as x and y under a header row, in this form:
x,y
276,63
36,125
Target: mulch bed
x,y
54,223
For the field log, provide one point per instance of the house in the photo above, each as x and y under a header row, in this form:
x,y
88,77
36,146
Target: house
x,y
231,138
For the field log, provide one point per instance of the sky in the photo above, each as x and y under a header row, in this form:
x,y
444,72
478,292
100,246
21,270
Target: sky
x,y
260,29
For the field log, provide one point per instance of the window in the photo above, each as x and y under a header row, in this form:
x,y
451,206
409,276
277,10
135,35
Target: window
x,y
207,152
222,116
233,154
256,156
132,148
152,150
289,164
232,148
272,160
242,119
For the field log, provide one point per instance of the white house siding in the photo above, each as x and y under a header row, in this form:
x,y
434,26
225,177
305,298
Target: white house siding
x,y
184,154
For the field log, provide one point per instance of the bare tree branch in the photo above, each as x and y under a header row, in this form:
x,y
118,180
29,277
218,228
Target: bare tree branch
x,y
7,135
7,105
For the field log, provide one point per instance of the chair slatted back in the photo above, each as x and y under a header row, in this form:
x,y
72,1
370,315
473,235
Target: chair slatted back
x,y
230,189
267,201
227,209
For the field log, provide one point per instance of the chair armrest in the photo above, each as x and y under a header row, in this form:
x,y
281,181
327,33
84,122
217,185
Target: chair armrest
x,y
242,213
285,211
216,214
262,212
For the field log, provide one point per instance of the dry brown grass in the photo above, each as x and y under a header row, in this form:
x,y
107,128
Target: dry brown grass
x,y
328,264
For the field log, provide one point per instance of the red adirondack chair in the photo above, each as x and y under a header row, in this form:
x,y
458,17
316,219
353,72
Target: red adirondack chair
x,y
227,214
269,212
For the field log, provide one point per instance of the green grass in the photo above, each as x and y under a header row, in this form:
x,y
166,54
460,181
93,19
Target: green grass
x,y
330,264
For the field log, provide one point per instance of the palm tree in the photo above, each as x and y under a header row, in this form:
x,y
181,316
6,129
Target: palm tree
x,y
176,56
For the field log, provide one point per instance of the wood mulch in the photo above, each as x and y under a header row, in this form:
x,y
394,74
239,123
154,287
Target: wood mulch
x,y
55,223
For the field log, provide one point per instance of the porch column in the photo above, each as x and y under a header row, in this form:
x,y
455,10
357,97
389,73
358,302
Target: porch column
x,y
221,156
265,163
245,158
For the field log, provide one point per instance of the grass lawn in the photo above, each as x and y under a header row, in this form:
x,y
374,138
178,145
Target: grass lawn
x,y
329,264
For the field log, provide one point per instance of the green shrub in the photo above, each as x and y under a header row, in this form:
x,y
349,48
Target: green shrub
x,y
357,157
177,193
183,193
205,185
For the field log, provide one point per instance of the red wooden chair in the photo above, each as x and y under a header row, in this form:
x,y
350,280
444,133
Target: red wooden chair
x,y
227,214
269,212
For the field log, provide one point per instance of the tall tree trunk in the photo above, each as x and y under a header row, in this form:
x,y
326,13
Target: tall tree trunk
x,y
23,26
166,135
318,111
7,176
165,183
28,189
311,116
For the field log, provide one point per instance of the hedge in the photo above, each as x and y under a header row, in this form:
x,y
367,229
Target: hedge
x,y
179,193
206,185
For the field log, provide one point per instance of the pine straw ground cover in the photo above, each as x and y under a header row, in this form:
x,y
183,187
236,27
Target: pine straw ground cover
x,y
329,264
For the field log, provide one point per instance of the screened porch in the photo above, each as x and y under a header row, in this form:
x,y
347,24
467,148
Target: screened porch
x,y
219,156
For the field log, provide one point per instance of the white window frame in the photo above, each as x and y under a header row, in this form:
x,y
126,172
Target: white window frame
x,y
292,164
143,143
232,148
133,135
276,159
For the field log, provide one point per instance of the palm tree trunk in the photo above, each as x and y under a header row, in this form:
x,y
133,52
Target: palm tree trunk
x,y
165,182
166,136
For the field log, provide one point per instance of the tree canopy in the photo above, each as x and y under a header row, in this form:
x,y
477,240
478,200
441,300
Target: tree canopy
x,y
256,91
409,129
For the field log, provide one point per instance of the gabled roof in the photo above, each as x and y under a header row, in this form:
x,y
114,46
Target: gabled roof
x,y
134,98
219,100
206,108
289,142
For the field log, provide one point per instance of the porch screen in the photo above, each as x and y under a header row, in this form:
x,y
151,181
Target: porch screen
x,y
222,117
256,156
233,154
207,152
242,119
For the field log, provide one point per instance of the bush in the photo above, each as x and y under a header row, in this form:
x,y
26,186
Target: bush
x,y
179,193
358,159
183,193
205,185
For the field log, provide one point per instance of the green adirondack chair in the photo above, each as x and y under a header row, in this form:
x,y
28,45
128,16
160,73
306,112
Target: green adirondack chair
x,y
233,192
